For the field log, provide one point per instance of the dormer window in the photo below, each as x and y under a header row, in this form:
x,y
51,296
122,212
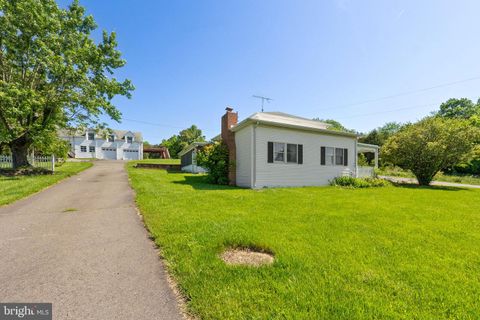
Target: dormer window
x,y
129,139
111,138
90,136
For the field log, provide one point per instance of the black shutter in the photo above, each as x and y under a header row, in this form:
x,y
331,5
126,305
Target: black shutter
x,y
270,152
345,157
322,156
300,154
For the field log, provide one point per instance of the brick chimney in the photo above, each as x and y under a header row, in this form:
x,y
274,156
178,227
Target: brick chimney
x,y
229,120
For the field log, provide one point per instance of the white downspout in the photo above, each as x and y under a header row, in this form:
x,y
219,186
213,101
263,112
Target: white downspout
x,y
356,159
254,156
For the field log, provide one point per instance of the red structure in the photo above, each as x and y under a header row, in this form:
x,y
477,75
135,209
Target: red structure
x,y
162,151
229,120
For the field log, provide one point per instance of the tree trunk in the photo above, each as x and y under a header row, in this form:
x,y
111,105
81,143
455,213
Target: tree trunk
x,y
19,148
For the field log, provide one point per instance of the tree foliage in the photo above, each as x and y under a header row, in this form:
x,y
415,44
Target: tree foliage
x,y
459,108
50,143
178,142
335,125
214,158
430,145
463,109
381,134
52,73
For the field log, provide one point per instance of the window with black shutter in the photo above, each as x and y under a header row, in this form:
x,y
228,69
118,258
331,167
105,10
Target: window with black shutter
x,y
322,156
270,152
280,152
330,156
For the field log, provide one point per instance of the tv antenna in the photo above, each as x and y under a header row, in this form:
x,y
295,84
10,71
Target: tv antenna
x,y
263,99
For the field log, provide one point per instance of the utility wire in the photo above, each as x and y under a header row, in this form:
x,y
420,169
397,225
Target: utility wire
x,y
391,110
403,93
154,124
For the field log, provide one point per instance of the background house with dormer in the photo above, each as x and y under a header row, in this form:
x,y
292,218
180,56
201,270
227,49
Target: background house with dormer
x,y
113,145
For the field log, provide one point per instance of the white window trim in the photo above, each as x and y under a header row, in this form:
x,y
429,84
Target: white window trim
x,y
334,157
126,139
88,133
285,153
343,157
333,164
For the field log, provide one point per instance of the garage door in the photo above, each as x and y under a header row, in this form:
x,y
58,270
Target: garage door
x,y
130,154
109,153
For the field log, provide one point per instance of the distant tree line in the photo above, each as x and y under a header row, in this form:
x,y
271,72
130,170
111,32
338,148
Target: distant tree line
x,y
178,142
447,140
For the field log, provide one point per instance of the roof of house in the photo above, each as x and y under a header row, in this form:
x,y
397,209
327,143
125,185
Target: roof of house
x,y
119,134
192,146
280,119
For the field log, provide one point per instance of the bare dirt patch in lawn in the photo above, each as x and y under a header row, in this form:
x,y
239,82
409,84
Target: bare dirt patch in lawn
x,y
246,257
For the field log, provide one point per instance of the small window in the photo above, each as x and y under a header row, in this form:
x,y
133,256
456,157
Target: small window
x,y
339,156
83,148
284,152
90,136
279,152
91,149
111,138
292,153
129,139
329,156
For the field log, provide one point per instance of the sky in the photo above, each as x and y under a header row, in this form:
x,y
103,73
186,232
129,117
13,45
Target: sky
x,y
363,63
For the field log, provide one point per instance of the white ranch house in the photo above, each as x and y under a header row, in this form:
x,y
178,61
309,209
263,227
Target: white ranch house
x,y
117,145
274,149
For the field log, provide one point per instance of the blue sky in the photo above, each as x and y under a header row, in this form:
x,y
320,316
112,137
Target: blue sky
x,y
190,59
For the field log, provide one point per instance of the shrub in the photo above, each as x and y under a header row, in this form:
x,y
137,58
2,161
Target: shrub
x,y
430,145
352,182
214,158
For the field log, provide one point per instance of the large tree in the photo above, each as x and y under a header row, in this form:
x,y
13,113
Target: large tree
x,y
52,73
459,108
430,145
379,135
177,142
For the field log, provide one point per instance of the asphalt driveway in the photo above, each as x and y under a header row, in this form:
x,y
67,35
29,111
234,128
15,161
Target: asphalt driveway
x,y
81,246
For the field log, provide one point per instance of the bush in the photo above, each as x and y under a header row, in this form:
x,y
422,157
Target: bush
x,y
352,182
214,158
430,145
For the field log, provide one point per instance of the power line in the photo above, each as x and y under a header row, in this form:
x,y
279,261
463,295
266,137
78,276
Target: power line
x,y
392,110
403,93
153,124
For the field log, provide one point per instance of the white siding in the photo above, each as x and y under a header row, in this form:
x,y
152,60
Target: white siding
x,y
243,142
193,168
310,173
119,145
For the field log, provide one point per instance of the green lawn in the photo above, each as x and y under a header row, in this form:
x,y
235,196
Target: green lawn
x,y
387,253
456,178
14,188
160,161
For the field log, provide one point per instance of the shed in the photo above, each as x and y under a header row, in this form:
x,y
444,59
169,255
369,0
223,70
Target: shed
x,y
188,158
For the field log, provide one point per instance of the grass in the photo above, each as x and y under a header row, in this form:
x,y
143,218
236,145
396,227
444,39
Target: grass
x,y
456,178
160,161
381,253
14,188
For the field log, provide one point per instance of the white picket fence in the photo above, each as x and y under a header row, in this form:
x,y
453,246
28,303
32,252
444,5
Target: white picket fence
x,y
46,162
